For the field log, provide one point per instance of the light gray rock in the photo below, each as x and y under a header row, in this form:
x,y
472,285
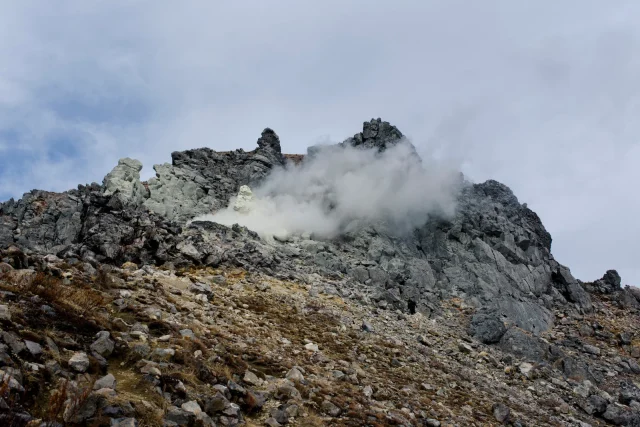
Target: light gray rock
x,y
501,412
251,378
124,183
16,344
108,381
295,375
34,348
187,333
192,407
125,422
5,314
79,362
163,353
591,349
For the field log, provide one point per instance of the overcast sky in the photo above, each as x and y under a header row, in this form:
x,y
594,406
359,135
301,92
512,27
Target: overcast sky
x,y
543,96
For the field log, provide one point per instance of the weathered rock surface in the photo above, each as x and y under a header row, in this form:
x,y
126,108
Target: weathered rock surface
x,y
123,182
201,181
491,262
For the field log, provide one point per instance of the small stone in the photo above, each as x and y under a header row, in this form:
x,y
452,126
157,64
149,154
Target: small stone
x,y
108,381
525,369
236,388
464,347
311,347
151,370
34,348
423,340
139,351
367,391
280,415
79,362
125,422
11,381
272,422
52,346
586,330
618,415
286,391
187,333
624,338
178,416
48,310
103,345
163,353
295,375
367,327
292,411
330,409
501,413
338,375
5,314
591,349
432,422
14,341
216,403
583,389
251,378
192,407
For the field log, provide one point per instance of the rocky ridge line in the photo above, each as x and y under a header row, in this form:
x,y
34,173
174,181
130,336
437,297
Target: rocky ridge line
x,y
494,255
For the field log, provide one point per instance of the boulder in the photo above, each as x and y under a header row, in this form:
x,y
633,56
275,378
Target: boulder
x,y
487,327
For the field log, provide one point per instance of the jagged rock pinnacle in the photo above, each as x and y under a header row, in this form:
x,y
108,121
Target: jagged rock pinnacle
x,y
269,139
376,134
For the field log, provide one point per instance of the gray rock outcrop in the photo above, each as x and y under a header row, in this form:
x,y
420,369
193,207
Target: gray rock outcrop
x,y
493,253
202,181
124,183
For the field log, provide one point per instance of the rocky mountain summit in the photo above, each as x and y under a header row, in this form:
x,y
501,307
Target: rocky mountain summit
x,y
121,307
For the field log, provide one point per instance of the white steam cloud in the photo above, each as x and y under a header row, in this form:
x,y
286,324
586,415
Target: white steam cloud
x,y
340,188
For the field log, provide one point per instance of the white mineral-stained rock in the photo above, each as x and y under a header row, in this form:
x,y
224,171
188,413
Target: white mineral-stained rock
x,y
244,201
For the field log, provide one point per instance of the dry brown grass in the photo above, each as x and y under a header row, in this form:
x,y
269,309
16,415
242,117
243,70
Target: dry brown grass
x,y
149,406
81,299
